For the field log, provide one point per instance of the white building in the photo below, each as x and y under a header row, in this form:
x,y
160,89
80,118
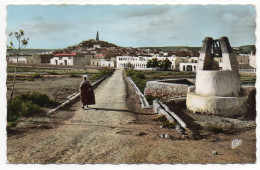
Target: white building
x,y
137,62
107,63
252,60
62,59
21,59
96,46
188,67
141,61
70,59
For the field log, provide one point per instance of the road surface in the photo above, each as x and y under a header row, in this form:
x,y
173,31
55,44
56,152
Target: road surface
x,y
110,133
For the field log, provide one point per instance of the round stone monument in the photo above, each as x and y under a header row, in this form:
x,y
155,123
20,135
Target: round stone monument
x,y
217,91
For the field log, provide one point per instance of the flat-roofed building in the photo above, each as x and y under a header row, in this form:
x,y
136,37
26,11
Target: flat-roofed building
x,y
71,59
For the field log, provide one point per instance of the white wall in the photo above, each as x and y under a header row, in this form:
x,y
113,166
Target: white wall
x,y
21,59
141,61
107,63
187,66
252,60
61,60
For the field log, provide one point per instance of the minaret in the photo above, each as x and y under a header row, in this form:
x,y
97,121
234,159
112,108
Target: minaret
x,y
97,38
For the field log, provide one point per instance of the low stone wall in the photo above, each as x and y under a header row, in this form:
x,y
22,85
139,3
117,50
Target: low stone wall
x,y
165,90
161,109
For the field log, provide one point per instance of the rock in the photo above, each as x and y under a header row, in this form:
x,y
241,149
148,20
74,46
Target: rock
x,y
142,134
214,152
162,126
167,136
178,128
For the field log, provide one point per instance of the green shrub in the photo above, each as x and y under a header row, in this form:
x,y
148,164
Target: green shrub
x,y
53,73
30,79
161,118
130,73
139,75
214,129
40,99
26,105
103,72
18,108
150,99
106,71
95,77
37,75
74,75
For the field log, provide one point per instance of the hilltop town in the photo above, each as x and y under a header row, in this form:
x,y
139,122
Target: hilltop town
x,y
95,52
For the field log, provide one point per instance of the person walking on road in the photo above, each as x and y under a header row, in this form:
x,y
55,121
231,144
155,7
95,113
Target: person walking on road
x,y
86,93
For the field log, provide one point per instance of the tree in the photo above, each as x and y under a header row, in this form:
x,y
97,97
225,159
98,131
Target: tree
x,y
161,64
166,64
153,63
130,66
22,43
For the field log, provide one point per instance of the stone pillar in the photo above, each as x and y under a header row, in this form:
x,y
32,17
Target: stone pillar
x,y
230,63
205,59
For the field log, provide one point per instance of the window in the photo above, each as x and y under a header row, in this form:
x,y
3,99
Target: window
x,y
189,68
183,68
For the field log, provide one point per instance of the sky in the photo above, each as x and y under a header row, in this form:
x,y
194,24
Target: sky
x,y
60,26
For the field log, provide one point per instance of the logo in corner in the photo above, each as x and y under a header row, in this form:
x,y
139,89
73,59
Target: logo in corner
x,y
235,143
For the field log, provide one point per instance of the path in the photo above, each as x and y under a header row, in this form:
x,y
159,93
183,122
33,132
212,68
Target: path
x,y
88,137
109,133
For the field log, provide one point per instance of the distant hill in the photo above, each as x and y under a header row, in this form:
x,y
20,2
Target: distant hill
x,y
90,43
30,51
243,49
246,49
173,48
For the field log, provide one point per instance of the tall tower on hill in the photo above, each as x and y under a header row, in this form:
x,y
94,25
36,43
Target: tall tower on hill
x,y
97,38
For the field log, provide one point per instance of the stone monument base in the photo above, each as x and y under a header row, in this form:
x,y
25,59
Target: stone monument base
x,y
217,105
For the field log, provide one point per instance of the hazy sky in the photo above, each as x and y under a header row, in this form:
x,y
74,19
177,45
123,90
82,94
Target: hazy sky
x,y
59,26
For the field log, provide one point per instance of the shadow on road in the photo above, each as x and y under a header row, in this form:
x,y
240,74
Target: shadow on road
x,y
121,110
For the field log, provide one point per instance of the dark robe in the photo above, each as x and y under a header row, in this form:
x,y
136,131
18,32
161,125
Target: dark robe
x,y
87,93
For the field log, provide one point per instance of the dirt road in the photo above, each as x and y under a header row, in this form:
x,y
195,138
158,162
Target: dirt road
x,y
109,132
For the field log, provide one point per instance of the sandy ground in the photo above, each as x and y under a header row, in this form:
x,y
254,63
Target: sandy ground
x,y
116,130
58,88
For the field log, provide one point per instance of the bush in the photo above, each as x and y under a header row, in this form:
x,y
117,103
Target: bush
x,y
103,72
130,73
95,77
163,119
214,129
106,71
150,99
74,75
37,75
53,73
139,75
30,79
26,105
40,99
18,108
